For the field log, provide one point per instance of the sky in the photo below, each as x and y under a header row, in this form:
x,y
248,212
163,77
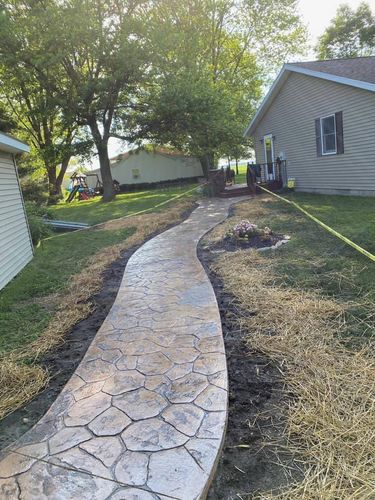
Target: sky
x,y
316,14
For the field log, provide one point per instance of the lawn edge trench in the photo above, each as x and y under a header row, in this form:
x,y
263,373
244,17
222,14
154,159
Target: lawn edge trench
x,y
155,374
21,375
329,376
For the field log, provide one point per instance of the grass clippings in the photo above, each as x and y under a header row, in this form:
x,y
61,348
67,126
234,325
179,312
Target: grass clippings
x,y
21,377
330,411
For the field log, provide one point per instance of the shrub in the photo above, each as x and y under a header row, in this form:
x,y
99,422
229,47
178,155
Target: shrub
x,y
34,190
38,228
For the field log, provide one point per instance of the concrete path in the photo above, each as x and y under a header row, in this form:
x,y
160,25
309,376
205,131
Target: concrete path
x,y
144,415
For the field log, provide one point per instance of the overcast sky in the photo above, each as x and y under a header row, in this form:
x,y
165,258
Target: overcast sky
x,y
316,14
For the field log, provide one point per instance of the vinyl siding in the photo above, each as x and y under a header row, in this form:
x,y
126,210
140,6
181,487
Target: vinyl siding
x,y
291,119
15,244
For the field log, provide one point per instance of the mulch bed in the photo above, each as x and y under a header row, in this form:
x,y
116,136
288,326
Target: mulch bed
x,y
246,467
230,244
62,362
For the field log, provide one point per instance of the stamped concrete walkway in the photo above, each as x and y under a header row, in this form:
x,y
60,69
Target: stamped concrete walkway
x,y
144,415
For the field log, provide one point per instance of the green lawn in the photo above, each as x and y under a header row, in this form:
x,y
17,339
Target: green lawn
x,y
95,211
315,259
354,217
241,177
25,306
22,315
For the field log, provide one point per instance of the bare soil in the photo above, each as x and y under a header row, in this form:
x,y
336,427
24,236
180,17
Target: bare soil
x,y
249,464
62,362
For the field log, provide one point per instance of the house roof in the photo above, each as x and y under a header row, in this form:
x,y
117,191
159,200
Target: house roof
x,y
357,68
357,72
155,150
10,144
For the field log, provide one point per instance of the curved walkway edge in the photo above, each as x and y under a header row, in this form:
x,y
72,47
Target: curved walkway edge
x,y
144,415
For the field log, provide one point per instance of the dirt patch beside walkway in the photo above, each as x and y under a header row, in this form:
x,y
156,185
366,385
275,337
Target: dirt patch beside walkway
x,y
248,464
61,362
321,342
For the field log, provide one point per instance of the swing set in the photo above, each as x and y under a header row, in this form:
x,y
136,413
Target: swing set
x,y
79,188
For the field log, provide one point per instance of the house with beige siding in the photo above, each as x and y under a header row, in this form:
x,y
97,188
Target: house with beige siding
x,y
150,166
319,119
16,248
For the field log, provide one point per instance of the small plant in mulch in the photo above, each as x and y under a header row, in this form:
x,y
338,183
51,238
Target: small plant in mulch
x,y
245,234
246,230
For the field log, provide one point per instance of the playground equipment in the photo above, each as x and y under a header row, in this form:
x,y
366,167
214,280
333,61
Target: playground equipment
x,y
78,186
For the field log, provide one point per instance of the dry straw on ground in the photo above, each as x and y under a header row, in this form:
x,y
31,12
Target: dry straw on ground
x,y
19,382
331,419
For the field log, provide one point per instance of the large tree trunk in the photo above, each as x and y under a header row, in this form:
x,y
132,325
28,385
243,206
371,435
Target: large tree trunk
x,y
55,181
109,193
207,162
101,144
53,193
60,177
205,166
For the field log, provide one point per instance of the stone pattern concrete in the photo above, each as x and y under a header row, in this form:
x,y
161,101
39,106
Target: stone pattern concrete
x,y
144,415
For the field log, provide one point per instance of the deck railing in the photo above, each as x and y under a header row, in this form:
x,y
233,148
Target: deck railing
x,y
273,173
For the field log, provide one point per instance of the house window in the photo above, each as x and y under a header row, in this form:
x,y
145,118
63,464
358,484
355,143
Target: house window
x,y
329,135
328,132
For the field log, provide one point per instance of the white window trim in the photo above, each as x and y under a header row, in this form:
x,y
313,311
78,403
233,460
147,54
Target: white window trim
x,y
321,135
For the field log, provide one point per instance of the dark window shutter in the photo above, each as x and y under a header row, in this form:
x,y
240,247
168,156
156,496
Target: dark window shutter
x,y
339,133
318,137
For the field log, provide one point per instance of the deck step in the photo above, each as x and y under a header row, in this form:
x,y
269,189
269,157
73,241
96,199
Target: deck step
x,y
234,191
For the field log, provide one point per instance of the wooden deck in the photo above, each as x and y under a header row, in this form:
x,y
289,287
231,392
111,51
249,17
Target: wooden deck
x,y
235,190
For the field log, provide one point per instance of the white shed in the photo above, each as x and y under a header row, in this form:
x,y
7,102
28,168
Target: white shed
x,y
16,248
158,165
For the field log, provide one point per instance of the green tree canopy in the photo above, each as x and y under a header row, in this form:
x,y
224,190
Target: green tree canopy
x,y
209,61
7,121
186,74
101,52
68,67
28,76
351,33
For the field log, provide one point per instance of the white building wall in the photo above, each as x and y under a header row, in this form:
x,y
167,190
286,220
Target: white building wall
x,y
144,167
15,242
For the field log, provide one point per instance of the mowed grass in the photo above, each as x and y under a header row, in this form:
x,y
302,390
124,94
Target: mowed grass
x,y
316,260
313,312
241,177
26,304
353,216
95,211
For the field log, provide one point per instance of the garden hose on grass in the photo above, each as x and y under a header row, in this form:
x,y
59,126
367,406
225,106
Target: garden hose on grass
x,y
327,228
